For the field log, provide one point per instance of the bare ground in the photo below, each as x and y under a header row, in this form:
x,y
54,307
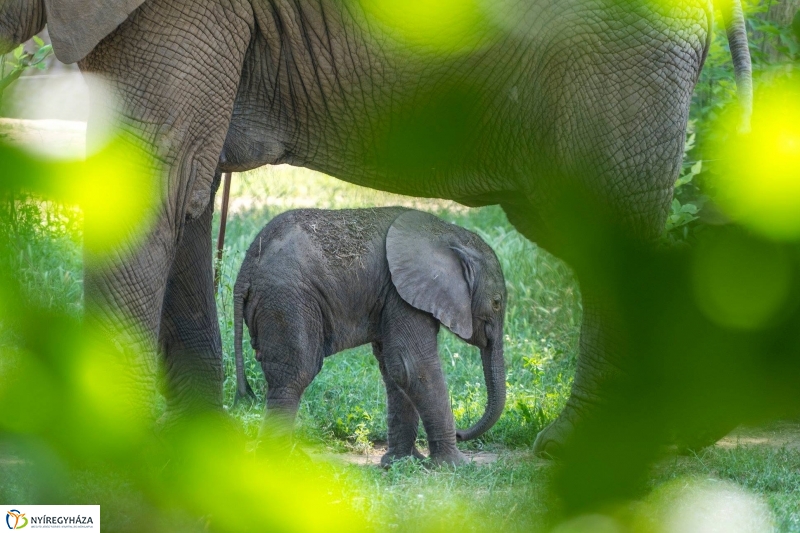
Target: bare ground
x,y
372,457
53,138
779,434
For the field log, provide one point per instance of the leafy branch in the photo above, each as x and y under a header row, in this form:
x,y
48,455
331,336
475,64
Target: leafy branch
x,y
20,61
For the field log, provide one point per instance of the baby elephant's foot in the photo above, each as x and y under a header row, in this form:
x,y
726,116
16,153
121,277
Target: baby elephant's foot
x,y
392,456
446,454
452,459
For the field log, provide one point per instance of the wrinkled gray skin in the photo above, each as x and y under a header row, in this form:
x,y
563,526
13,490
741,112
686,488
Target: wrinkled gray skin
x,y
314,283
547,98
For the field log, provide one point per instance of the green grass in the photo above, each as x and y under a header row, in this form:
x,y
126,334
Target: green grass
x,y
509,495
344,408
44,246
771,473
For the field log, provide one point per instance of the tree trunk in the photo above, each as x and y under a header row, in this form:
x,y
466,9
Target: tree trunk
x,y
779,13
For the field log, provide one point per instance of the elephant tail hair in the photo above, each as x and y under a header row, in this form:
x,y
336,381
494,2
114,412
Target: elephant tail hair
x,y
740,55
243,390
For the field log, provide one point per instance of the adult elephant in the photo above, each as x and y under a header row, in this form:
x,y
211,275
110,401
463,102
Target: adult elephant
x,y
519,103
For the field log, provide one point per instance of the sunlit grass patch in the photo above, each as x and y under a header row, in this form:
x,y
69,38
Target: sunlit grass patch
x,y
509,495
43,244
773,473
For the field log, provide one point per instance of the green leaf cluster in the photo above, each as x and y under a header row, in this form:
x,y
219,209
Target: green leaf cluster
x,y
13,65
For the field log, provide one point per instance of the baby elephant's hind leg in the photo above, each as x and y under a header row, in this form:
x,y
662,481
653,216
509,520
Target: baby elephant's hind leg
x,y
291,357
402,418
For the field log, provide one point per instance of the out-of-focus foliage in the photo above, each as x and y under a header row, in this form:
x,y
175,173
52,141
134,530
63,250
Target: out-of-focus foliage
x,y
117,188
708,338
758,175
439,26
70,407
775,53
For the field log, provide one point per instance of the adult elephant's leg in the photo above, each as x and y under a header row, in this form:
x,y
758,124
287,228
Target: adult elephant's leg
x,y
190,337
597,369
172,71
608,178
603,360
123,296
402,417
614,187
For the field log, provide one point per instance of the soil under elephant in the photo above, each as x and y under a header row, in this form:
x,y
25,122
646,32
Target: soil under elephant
x,y
778,434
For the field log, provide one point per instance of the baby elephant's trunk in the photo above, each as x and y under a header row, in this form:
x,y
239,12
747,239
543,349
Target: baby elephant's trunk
x,y
243,390
494,370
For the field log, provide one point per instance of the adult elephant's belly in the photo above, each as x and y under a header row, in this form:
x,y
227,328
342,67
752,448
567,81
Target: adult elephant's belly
x,y
597,113
411,162
249,145
397,121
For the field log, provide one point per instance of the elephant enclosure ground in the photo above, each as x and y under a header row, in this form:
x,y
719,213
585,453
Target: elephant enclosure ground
x,y
342,416
784,434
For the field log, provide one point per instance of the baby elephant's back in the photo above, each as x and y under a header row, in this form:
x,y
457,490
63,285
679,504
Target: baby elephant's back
x,y
340,246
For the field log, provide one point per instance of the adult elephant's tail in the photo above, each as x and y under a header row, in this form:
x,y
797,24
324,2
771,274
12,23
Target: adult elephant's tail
x,y
243,390
740,54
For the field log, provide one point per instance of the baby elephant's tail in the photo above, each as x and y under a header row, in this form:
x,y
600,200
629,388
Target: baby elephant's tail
x,y
243,390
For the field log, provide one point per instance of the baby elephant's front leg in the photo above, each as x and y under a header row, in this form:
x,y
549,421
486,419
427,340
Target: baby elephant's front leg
x,y
416,369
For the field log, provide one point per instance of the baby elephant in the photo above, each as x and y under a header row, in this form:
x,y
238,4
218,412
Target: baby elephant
x,y
316,282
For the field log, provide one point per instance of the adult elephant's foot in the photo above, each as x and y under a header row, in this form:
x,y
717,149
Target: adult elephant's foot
x,y
213,423
551,440
690,440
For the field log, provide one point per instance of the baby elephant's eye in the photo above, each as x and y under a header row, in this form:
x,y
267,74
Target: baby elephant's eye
x,y
497,301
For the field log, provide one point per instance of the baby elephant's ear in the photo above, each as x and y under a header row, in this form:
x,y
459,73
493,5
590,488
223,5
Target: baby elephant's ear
x,y
428,272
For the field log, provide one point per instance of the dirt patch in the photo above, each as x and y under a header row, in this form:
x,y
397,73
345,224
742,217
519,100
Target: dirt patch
x,y
51,138
373,457
774,435
10,460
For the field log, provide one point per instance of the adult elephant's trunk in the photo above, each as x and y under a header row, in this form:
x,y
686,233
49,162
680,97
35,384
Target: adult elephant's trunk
x,y
494,371
740,55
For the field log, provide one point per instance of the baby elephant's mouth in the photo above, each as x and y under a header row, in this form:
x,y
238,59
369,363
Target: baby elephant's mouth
x,y
258,355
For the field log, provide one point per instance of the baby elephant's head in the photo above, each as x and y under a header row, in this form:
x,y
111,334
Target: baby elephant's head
x,y
453,274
